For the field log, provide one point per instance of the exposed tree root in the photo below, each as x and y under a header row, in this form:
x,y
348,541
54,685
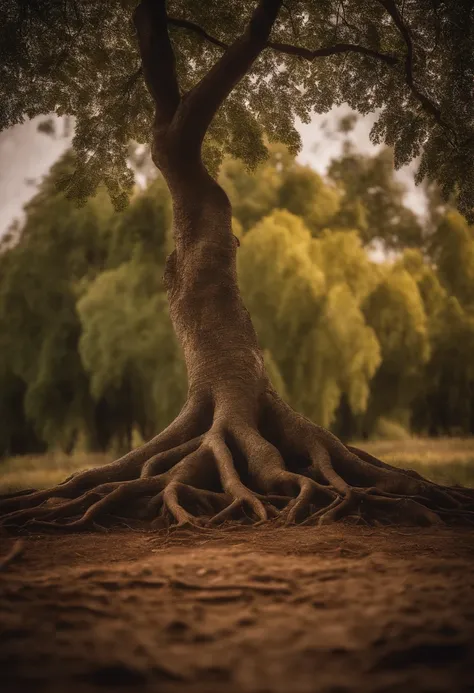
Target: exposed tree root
x,y
208,469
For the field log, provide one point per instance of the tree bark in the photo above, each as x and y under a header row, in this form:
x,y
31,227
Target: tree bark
x,y
223,359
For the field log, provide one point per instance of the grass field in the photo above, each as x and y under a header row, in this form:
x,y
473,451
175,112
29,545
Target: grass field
x,y
445,460
42,471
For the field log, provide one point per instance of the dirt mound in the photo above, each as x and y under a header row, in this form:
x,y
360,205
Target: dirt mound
x,y
308,610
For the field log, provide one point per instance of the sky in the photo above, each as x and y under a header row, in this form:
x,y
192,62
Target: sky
x,y
26,156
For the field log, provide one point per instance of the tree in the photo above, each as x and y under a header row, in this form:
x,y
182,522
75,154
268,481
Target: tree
x,y
304,193
215,78
128,348
445,403
279,182
55,249
306,309
17,434
372,200
254,194
452,249
72,327
396,312
142,230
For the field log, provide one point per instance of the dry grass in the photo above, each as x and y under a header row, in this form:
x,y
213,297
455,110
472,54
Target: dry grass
x,y
445,460
42,471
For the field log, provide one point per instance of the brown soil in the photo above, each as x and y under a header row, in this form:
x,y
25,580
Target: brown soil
x,y
329,609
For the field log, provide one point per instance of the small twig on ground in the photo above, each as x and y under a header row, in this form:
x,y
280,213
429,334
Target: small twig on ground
x,y
16,551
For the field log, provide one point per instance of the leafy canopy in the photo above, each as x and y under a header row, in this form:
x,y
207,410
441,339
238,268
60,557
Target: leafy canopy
x,y
413,61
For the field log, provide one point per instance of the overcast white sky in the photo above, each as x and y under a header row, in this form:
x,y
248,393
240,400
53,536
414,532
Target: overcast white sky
x,y
26,155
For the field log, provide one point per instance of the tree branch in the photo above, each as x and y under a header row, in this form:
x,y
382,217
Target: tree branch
x,y
202,102
427,104
290,49
185,24
310,55
158,59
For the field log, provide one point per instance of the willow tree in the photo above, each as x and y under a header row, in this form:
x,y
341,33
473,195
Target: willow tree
x,y
199,79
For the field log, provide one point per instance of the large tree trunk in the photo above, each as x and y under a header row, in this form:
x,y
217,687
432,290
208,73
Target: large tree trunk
x,y
236,451
224,362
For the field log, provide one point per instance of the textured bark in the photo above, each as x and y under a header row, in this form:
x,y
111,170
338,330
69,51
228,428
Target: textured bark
x,y
223,359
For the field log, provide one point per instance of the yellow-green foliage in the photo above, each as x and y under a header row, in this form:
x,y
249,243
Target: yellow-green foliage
x,y
345,261
452,247
128,347
306,195
395,310
385,429
308,315
279,183
372,199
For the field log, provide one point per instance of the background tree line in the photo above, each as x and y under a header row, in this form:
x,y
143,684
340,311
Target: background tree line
x,y
88,358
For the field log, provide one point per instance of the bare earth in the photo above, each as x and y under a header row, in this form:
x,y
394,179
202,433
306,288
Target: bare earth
x,y
334,609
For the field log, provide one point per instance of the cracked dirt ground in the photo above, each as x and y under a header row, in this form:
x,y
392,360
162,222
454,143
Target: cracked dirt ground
x,y
334,609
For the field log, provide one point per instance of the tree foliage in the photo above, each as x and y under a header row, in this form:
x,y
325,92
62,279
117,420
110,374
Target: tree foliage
x,y
70,300
59,246
373,199
412,61
396,312
307,315
128,348
452,249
